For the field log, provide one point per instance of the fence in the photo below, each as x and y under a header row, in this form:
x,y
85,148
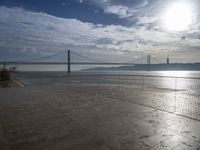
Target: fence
x,y
177,95
185,84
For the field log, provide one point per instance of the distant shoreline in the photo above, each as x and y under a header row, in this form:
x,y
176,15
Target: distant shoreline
x,y
151,67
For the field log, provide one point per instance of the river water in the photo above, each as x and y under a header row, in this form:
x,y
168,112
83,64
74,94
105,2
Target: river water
x,y
76,69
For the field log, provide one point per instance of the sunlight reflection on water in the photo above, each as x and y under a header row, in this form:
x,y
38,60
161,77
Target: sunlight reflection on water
x,y
175,73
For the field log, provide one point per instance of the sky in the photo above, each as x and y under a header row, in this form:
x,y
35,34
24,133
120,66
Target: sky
x,y
104,30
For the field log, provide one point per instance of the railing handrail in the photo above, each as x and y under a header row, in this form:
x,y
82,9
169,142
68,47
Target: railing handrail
x,y
112,75
121,75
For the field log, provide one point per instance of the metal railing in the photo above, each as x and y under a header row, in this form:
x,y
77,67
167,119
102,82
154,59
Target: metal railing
x,y
178,95
184,84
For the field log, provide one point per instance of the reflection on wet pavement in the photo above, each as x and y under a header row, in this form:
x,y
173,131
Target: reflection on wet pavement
x,y
76,117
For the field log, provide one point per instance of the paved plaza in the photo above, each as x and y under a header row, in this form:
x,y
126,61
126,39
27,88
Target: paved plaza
x,y
60,116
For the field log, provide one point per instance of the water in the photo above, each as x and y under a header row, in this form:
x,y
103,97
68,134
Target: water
x,y
189,74
56,67
157,80
76,69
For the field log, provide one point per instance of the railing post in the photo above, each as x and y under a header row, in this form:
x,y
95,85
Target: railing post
x,y
142,83
69,63
81,80
119,82
175,89
175,83
4,65
99,84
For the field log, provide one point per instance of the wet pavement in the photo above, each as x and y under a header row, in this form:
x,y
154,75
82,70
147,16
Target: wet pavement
x,y
60,116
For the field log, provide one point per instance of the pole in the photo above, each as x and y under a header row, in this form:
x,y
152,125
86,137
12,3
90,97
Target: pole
x,y
69,63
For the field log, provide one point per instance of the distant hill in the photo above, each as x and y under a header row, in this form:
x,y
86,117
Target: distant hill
x,y
152,67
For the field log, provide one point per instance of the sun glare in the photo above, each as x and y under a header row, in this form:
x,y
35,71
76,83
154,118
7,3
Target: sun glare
x,y
178,16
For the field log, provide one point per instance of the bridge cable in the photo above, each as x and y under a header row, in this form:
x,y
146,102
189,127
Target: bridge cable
x,y
45,57
85,57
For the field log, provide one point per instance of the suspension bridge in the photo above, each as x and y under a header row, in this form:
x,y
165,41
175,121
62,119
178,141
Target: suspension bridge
x,y
68,60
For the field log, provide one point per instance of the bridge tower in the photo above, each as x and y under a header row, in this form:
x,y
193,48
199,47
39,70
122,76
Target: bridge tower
x,y
168,60
149,62
149,59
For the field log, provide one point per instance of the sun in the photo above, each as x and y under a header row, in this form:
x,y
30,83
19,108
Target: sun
x,y
178,16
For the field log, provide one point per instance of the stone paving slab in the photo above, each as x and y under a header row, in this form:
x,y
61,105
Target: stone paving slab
x,y
183,104
62,117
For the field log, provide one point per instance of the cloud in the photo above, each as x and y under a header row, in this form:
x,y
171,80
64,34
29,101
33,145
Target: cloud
x,y
121,11
30,33
80,1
